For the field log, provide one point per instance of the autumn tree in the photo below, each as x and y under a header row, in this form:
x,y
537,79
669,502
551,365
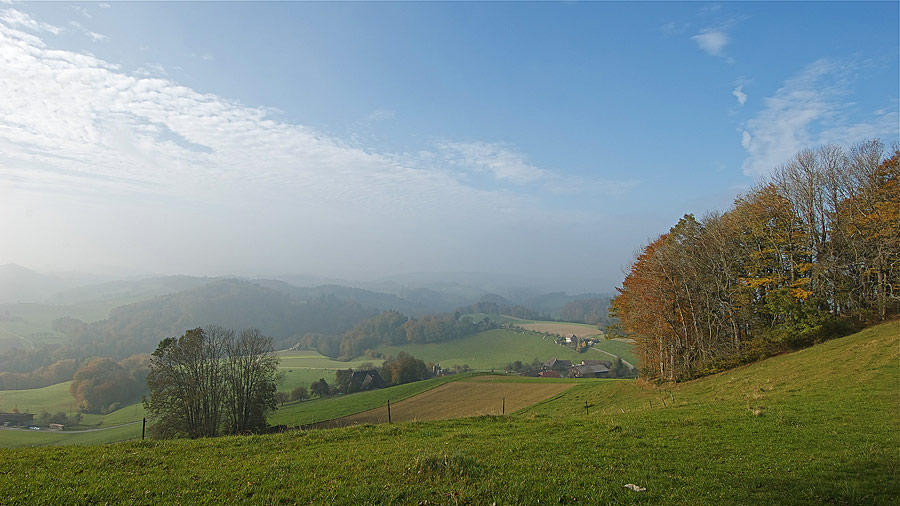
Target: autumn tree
x,y
809,253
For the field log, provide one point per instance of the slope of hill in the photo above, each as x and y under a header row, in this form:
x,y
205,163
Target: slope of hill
x,y
138,328
813,427
484,351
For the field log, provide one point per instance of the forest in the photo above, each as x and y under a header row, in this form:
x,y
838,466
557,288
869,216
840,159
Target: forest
x,y
810,253
393,327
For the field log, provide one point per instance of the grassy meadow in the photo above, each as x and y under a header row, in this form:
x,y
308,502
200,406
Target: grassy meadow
x,y
489,350
818,426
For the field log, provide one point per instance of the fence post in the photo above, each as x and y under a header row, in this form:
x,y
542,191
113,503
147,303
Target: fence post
x,y
143,428
389,411
503,411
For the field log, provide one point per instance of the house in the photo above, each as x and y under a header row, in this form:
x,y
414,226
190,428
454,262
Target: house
x,y
366,380
605,363
589,371
556,365
16,418
550,374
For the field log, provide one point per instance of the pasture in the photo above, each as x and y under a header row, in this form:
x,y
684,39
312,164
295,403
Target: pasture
x,y
485,351
618,347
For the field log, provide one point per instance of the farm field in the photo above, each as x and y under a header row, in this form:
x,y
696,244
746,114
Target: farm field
x,y
485,351
783,431
318,410
564,329
470,397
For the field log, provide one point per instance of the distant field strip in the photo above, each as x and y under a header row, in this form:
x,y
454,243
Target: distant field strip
x,y
563,329
459,399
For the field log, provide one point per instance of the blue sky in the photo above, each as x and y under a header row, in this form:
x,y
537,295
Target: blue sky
x,y
360,140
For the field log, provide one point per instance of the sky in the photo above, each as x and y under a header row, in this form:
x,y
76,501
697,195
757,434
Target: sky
x,y
362,140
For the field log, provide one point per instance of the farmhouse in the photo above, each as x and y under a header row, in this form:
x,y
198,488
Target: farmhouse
x,y
556,365
549,374
605,363
16,418
366,380
589,371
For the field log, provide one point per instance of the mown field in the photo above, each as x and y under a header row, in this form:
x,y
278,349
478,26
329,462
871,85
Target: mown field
x,y
564,329
489,350
813,427
475,396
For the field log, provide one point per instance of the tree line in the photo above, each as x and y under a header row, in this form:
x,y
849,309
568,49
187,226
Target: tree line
x,y
395,328
592,311
811,252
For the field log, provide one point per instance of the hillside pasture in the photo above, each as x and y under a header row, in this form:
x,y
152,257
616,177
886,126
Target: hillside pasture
x,y
619,347
564,329
315,360
460,399
485,351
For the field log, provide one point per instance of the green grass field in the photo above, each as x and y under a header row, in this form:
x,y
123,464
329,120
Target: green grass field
x,y
818,426
619,348
484,351
301,368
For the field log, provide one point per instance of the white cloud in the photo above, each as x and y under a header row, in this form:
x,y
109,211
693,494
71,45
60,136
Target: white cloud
x,y
712,40
810,109
104,5
96,37
18,18
739,94
502,162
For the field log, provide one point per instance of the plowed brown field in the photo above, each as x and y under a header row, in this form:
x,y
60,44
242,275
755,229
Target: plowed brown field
x,y
458,400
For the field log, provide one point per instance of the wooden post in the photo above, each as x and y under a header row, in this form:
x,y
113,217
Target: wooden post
x,y
389,411
651,403
143,428
671,396
503,409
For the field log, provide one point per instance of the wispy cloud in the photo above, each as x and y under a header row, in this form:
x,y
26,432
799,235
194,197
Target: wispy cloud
x,y
501,161
72,120
812,108
739,94
712,41
13,17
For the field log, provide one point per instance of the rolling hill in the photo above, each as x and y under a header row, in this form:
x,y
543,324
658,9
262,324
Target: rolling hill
x,y
818,426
